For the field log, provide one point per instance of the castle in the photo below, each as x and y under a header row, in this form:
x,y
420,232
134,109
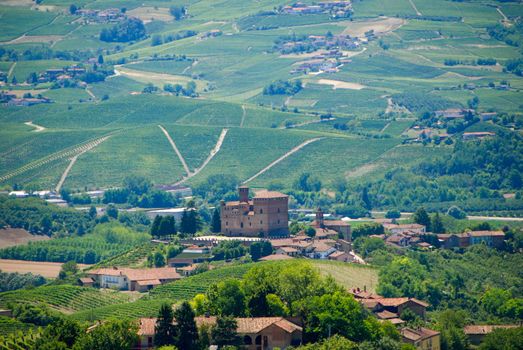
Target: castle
x,y
263,216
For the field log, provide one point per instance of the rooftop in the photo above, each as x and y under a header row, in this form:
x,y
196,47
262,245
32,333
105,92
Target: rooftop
x,y
139,274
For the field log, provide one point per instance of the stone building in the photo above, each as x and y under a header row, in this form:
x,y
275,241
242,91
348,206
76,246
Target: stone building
x,y
267,214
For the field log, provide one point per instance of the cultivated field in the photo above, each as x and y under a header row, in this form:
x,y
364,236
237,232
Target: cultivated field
x,y
10,237
46,269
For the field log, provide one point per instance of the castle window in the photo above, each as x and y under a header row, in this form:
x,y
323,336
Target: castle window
x,y
278,210
241,224
226,223
261,211
278,221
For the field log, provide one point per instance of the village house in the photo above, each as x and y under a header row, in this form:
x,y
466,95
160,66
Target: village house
x,y
453,113
140,280
477,135
263,216
409,229
476,333
462,240
256,333
422,338
29,101
395,305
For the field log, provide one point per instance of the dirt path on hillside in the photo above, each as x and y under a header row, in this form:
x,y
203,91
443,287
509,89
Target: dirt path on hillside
x,y
244,112
415,8
75,158
38,128
310,122
192,65
292,151
11,69
211,155
176,150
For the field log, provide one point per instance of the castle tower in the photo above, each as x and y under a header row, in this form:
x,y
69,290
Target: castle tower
x,y
319,218
244,194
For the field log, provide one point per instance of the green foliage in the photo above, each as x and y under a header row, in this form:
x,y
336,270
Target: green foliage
x,y
281,87
229,250
224,332
106,240
164,331
227,298
216,223
14,281
186,331
128,30
367,229
503,339
63,331
336,342
39,217
421,217
111,335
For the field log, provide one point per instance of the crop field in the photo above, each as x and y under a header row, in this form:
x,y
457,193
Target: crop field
x,y
46,269
349,275
9,325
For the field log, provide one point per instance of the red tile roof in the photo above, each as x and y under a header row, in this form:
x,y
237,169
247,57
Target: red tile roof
x,y
276,257
163,273
269,194
485,329
418,334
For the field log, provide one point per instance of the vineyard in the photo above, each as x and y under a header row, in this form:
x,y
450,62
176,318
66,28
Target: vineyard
x,y
133,257
9,325
187,288
133,310
20,340
65,297
105,242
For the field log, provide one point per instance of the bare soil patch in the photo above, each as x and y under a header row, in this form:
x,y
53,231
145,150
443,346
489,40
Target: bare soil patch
x,y
10,237
16,2
46,269
381,26
148,14
338,84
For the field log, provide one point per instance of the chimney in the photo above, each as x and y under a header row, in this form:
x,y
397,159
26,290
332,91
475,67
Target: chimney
x,y
244,194
319,218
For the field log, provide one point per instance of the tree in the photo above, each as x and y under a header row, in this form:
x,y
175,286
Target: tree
x,y
255,251
63,330
224,332
393,214
456,212
155,227
111,211
164,330
437,224
73,9
92,212
216,223
365,198
158,259
14,81
185,224
335,342
310,231
266,248
229,299
100,59
177,11
46,224
130,29
186,331
156,40
421,217
111,335
503,339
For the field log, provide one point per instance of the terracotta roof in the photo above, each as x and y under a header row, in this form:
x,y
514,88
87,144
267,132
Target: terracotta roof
x,y
85,280
485,329
395,321
486,233
253,325
163,273
289,249
399,301
270,194
337,254
386,315
404,226
276,257
418,334
319,246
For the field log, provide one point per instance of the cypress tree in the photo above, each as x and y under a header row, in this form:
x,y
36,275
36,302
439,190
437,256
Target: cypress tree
x,y
155,227
186,330
437,224
164,329
216,223
421,217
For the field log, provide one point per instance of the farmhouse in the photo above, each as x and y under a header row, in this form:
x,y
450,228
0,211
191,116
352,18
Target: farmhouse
x,y
463,240
139,280
421,338
256,332
476,333
405,228
265,215
395,305
477,135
